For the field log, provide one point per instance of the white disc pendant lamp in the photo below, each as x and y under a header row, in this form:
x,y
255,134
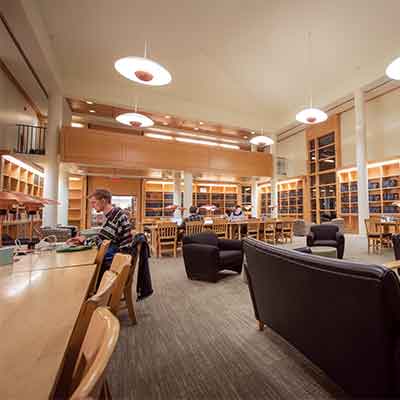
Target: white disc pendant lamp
x,y
311,115
143,70
261,139
135,119
393,69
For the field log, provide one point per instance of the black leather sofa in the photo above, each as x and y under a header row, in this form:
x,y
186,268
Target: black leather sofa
x,y
205,255
326,235
396,246
344,316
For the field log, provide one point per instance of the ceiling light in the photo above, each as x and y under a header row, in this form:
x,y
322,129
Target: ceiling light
x,y
77,125
311,115
194,141
201,123
252,132
186,134
245,137
261,139
206,137
143,70
196,128
167,116
230,146
158,136
165,123
92,111
135,119
229,141
393,69
89,102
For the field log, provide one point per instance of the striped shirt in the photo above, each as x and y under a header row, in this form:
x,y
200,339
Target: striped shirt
x,y
116,228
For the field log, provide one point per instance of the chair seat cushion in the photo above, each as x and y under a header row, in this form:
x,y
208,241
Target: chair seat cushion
x,y
329,243
230,258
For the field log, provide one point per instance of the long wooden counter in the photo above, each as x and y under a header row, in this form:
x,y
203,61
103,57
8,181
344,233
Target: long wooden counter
x,y
38,310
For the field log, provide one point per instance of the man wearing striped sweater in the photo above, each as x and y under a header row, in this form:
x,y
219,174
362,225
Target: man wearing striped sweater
x,y
116,227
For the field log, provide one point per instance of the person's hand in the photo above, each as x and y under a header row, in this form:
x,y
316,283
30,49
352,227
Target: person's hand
x,y
76,240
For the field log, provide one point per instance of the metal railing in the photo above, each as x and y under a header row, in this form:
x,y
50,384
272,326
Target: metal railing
x,y
31,139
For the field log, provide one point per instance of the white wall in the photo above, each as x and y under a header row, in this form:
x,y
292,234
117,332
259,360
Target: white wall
x,y
294,149
383,129
13,110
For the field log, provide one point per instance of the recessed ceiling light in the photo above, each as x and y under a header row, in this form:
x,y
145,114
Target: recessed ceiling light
x,y
246,137
230,146
89,102
201,122
77,125
92,111
165,123
252,132
196,128
158,136
167,116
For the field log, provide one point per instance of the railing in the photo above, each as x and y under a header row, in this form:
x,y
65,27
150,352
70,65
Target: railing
x,y
31,139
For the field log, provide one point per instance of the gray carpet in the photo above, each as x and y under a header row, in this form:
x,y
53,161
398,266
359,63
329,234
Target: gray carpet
x,y
198,340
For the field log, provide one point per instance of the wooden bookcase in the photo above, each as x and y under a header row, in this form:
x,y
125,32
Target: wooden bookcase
x,y
291,198
383,190
77,188
323,159
16,178
159,195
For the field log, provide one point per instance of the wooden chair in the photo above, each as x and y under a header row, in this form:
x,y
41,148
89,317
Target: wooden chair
x,y
220,228
375,235
100,299
121,266
193,227
270,232
287,231
167,237
101,253
97,348
253,229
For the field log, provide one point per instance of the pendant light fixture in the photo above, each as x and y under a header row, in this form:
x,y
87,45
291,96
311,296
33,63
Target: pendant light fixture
x,y
393,69
261,139
143,70
311,115
135,119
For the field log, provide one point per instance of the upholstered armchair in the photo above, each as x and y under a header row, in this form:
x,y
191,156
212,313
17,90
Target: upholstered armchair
x,y
396,246
326,235
204,255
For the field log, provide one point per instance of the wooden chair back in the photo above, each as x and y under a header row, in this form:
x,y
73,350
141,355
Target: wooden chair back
x,y
120,266
94,356
373,227
101,253
100,299
193,227
167,235
287,229
270,232
253,228
220,227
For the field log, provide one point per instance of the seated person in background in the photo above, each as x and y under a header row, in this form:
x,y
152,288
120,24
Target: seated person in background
x,y
116,227
193,215
177,216
237,214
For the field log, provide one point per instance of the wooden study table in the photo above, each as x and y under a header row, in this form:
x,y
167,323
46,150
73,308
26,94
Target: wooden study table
x,y
38,311
52,260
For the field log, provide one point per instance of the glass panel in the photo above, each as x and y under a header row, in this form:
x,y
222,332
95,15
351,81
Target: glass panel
x,y
327,178
327,191
327,139
344,187
327,164
327,204
327,152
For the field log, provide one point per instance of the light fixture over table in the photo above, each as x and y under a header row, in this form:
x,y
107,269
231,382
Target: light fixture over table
x,y
393,69
135,119
143,70
311,115
261,139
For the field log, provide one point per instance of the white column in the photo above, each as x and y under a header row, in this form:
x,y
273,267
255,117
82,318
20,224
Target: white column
x,y
177,188
51,167
63,195
187,192
361,158
254,198
274,177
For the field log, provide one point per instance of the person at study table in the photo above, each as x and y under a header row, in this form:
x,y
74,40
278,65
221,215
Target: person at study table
x,y
237,214
116,228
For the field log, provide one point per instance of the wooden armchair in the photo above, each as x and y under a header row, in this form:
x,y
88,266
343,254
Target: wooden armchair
x,y
376,236
167,237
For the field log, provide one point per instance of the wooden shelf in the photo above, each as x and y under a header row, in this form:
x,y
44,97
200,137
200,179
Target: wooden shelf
x,y
77,186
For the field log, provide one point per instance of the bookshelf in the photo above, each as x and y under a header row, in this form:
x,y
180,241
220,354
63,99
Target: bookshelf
x,y
158,195
291,198
323,159
383,190
77,188
20,177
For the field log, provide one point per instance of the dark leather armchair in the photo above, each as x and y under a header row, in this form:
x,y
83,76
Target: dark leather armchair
x,y
326,235
396,246
205,255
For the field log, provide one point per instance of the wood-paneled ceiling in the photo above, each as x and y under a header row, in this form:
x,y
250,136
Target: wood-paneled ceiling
x,y
91,112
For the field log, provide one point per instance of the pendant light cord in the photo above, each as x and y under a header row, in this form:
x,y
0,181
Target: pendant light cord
x,y
310,68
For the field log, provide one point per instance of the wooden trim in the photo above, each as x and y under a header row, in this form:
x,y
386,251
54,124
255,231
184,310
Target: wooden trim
x,y
21,90
23,55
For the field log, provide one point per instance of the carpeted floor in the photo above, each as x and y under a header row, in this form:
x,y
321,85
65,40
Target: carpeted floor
x,y
198,340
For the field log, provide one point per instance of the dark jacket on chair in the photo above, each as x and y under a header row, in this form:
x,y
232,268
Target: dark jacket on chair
x,y
326,235
205,254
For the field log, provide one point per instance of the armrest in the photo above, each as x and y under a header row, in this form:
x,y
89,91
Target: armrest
x,y
201,260
226,244
310,238
339,237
